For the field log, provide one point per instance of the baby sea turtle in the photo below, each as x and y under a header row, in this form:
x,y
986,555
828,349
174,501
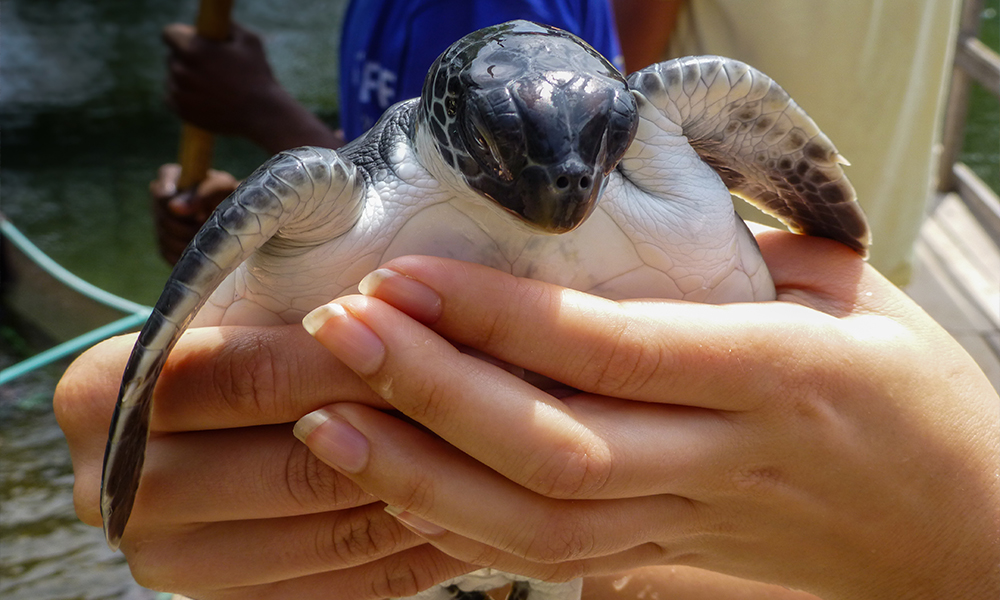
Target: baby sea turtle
x,y
528,152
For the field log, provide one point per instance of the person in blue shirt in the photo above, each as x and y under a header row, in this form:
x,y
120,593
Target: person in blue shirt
x,y
387,46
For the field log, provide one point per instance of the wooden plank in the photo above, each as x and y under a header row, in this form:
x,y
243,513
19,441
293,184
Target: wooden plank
x,y
965,232
981,62
933,289
967,255
973,59
981,200
953,130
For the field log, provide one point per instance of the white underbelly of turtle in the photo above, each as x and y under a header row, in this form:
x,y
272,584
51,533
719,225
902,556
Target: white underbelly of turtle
x,y
273,288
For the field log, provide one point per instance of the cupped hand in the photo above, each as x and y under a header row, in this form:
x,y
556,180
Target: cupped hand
x,y
227,88
231,505
836,440
179,214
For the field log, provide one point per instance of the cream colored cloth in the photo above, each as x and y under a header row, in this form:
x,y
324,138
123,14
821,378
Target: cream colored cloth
x,y
872,74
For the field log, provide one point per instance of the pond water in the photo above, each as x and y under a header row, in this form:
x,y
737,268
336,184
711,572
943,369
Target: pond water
x,y
84,130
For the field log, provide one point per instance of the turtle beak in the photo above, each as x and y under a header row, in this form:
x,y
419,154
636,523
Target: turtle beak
x,y
558,198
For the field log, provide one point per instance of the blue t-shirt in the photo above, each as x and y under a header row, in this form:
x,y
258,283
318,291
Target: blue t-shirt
x,y
387,46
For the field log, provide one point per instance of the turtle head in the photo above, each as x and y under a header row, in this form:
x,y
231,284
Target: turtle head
x,y
532,118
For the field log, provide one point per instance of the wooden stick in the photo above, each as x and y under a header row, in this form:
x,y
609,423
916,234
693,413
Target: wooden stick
x,y
196,143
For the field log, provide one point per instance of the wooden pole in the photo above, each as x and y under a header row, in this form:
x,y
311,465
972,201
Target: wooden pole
x,y
196,143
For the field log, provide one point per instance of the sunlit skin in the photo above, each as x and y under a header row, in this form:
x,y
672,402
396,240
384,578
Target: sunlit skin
x,y
836,441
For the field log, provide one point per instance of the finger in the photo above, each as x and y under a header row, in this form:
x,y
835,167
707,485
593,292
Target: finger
x,y
726,357
237,474
457,395
215,378
192,93
178,36
397,576
195,207
819,273
485,556
425,477
226,377
82,404
242,35
240,553
215,188
581,447
164,186
185,43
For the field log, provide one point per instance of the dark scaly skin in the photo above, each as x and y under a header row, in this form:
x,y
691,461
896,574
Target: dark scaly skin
x,y
547,170
803,186
265,202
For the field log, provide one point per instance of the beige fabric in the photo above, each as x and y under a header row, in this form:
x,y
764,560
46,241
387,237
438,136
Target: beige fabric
x,y
872,74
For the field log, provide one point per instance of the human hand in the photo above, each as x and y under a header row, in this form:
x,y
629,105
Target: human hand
x,y
220,86
230,504
836,441
228,88
178,215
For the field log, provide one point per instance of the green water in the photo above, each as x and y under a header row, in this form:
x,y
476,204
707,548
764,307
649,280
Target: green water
x,y
83,129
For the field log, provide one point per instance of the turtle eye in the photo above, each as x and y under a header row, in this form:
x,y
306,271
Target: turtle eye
x,y
485,149
480,140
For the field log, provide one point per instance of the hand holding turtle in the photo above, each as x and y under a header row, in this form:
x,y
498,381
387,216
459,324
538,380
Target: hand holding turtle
x,y
237,506
835,441
234,505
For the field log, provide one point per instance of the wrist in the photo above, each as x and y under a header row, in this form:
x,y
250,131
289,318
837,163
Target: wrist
x,y
283,123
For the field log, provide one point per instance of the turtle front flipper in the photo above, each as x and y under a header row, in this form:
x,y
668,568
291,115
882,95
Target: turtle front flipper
x,y
302,185
762,144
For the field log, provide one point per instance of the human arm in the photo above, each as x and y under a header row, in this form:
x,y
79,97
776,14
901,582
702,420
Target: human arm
x,y
836,441
644,29
230,504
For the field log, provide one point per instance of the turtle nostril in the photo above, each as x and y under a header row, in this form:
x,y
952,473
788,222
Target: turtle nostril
x,y
565,182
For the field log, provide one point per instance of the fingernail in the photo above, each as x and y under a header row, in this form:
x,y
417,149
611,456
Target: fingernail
x,y
333,440
405,293
346,337
414,522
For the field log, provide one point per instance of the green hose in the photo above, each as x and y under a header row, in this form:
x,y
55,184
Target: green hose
x,y
137,313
